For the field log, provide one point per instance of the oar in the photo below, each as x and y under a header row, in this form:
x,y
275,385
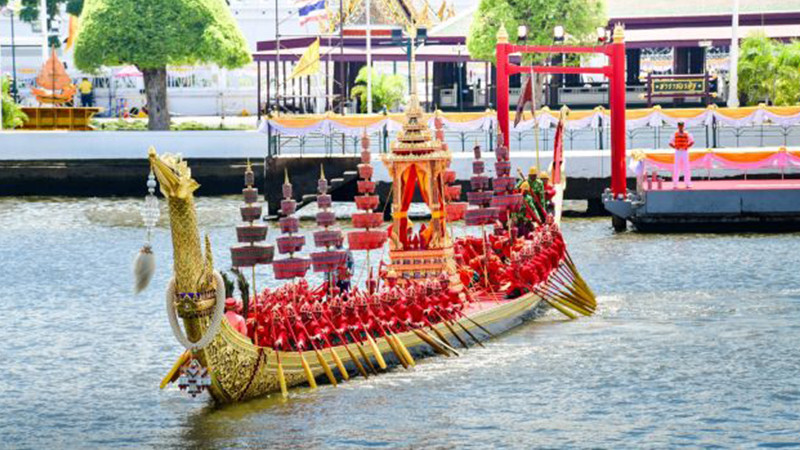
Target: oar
x,y
174,372
375,351
346,347
397,347
325,367
363,353
281,376
466,330
452,331
428,340
306,368
477,324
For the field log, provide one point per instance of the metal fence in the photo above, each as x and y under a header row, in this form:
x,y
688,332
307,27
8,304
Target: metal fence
x,y
584,139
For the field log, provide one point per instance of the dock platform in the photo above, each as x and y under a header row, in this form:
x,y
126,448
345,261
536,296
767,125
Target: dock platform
x,y
723,205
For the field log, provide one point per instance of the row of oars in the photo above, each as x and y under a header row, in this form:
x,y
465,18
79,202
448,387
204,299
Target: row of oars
x,y
567,291
362,338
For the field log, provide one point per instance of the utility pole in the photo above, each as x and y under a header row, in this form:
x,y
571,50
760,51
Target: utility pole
x,y
13,8
733,85
369,57
43,25
277,60
342,81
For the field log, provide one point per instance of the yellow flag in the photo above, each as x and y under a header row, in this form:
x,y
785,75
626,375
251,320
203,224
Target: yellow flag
x,y
442,10
309,62
73,31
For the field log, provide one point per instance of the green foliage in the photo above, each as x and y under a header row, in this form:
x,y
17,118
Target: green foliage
x,y
30,11
387,89
141,125
12,114
580,19
769,71
155,33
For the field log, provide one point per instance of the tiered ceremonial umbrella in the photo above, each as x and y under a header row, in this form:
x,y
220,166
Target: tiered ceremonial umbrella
x,y
290,243
454,209
250,233
328,238
504,199
368,237
481,196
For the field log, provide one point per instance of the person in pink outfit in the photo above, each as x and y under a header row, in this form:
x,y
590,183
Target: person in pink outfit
x,y
234,318
681,141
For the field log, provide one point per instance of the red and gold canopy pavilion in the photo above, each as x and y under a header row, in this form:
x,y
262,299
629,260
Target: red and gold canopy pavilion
x,y
417,162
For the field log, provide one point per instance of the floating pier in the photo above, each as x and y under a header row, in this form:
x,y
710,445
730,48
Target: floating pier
x,y
711,206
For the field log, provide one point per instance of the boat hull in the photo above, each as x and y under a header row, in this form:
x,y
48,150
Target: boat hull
x,y
242,371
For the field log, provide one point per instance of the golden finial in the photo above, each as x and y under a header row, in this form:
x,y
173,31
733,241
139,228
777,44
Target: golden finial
x,y
207,276
502,35
321,172
249,166
619,34
285,175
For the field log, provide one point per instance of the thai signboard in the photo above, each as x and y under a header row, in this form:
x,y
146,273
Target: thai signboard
x,y
686,86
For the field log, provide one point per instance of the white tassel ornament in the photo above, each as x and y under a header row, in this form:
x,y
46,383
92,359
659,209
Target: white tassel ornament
x,y
144,266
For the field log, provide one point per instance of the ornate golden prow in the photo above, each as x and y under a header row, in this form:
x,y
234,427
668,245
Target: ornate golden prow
x,y
176,183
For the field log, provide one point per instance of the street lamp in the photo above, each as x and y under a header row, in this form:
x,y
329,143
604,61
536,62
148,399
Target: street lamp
x,y
522,33
558,33
601,34
460,79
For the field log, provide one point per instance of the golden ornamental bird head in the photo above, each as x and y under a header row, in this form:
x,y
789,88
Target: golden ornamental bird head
x,y
173,174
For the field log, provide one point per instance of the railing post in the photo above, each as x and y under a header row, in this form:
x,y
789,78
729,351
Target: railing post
x,y
617,98
502,82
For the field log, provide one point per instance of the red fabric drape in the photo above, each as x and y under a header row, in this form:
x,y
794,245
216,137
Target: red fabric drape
x,y
558,152
408,194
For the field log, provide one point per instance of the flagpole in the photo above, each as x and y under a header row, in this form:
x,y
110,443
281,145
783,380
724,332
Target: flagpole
x,y
43,25
277,60
369,57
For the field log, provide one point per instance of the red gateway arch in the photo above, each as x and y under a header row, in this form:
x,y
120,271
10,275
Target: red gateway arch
x,y
614,71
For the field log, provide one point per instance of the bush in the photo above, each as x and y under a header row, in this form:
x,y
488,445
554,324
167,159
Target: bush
x,y
12,114
141,125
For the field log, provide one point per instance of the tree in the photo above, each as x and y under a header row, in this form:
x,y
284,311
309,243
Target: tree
x,y
153,34
769,70
12,114
580,19
387,89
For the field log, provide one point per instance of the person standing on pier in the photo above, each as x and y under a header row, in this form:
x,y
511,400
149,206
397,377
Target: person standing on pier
x,y
682,141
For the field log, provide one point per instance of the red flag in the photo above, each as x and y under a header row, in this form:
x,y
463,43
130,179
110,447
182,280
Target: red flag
x,y
524,98
558,151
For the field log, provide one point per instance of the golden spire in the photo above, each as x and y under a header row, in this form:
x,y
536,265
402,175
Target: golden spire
x,y
285,175
619,34
321,172
502,35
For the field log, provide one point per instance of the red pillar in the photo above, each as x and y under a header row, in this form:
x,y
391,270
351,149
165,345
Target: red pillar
x,y
502,90
617,103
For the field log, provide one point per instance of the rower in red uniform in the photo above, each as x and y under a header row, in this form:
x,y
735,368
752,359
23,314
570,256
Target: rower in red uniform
x,y
682,141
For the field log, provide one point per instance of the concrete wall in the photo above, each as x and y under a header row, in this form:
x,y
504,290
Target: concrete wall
x,y
65,145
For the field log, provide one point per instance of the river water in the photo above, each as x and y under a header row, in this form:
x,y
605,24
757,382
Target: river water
x,y
696,343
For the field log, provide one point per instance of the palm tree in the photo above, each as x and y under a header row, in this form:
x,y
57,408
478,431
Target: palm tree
x,y
387,89
787,89
757,68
